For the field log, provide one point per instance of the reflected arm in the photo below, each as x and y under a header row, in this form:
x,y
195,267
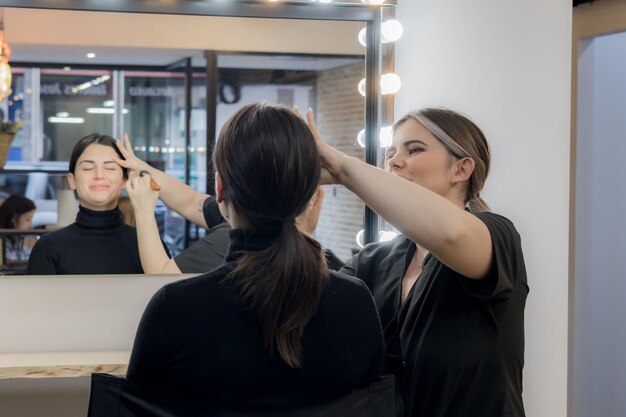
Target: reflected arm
x,y
154,259
178,196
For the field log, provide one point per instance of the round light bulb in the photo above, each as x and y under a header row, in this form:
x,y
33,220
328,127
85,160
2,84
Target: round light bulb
x,y
362,37
386,236
359,238
384,138
390,83
391,31
360,138
362,87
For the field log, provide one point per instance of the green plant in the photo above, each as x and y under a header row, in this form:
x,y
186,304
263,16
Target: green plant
x,y
10,127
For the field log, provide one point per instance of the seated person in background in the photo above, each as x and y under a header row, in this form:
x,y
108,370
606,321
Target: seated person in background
x,y
98,242
272,326
16,212
209,252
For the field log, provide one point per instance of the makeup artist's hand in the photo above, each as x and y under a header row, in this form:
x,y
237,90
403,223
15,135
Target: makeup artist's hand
x,y
331,159
131,162
142,195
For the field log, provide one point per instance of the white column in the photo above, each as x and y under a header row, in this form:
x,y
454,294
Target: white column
x,y
507,64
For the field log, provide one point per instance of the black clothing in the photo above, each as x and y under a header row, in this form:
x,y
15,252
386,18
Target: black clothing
x,y
332,260
99,242
455,344
114,396
195,339
208,253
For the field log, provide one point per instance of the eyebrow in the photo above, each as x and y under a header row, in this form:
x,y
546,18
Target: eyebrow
x,y
89,161
408,143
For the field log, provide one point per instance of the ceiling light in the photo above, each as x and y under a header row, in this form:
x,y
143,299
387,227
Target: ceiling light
x,y
91,55
108,103
71,120
63,114
103,110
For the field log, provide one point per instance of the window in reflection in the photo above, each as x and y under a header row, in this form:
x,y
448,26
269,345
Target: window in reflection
x,y
61,105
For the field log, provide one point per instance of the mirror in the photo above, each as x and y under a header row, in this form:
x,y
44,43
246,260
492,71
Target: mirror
x,y
137,65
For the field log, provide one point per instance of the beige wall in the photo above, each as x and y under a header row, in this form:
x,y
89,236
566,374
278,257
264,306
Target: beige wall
x,y
132,30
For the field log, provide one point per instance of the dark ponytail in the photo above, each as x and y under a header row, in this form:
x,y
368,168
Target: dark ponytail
x,y
268,162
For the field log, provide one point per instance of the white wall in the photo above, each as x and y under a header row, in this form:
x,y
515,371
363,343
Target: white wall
x,y
507,66
600,335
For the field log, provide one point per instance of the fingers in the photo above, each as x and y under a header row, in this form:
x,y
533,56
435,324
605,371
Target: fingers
x,y
140,183
310,120
127,142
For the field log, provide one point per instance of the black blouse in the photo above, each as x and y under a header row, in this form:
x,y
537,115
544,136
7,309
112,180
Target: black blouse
x,y
196,340
455,344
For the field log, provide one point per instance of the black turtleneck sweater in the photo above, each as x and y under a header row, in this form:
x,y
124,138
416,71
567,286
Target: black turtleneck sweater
x,y
99,242
195,341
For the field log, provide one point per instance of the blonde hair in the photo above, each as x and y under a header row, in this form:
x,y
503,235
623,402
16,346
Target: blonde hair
x,y
463,139
128,213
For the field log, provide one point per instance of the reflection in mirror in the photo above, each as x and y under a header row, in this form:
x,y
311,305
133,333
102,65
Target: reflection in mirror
x,y
136,83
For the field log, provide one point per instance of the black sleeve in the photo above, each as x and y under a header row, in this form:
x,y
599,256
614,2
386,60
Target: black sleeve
x,y
211,211
42,260
363,265
333,261
206,254
154,343
507,265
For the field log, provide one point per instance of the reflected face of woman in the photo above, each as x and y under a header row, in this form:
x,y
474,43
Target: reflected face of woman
x,y
24,221
98,180
417,156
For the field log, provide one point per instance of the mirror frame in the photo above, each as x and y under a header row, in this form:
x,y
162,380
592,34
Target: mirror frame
x,y
370,14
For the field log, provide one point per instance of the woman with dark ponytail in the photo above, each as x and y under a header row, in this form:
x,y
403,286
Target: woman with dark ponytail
x,y
272,326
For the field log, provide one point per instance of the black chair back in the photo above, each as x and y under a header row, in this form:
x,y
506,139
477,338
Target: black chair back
x,y
113,396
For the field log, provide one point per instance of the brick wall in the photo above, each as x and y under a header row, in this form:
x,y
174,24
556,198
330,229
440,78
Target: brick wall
x,y
340,117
